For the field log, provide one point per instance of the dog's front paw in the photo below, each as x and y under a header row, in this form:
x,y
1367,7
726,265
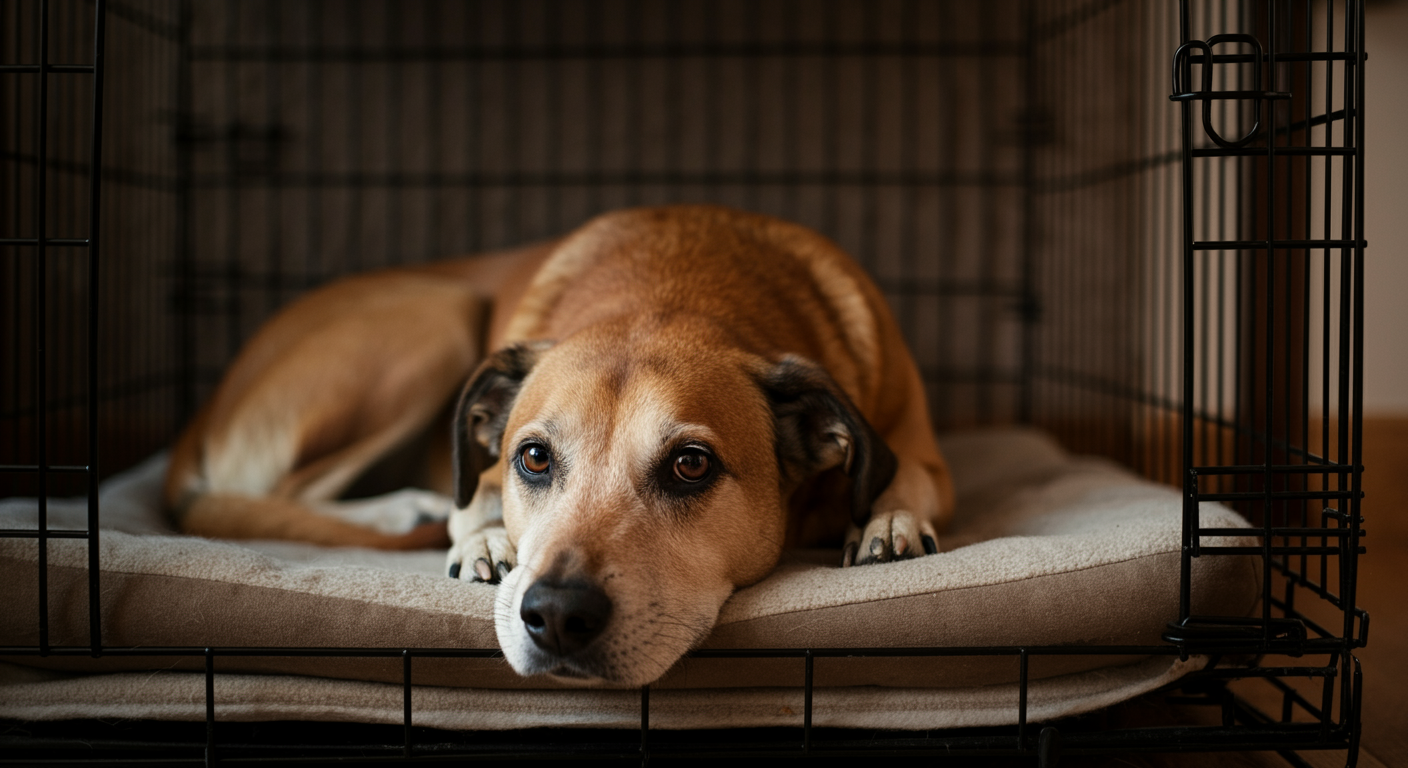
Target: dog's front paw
x,y
483,555
889,536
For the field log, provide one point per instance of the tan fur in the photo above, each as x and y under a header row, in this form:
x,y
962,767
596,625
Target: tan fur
x,y
655,328
329,385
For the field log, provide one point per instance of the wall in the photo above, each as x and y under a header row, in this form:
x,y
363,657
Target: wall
x,y
1386,227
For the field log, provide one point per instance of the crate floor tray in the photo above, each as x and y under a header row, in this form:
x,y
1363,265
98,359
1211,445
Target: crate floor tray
x,y
1047,549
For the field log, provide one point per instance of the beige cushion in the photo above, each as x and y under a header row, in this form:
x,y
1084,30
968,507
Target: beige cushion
x,y
1047,549
34,694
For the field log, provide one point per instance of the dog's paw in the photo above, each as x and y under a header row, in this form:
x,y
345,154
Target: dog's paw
x,y
484,555
889,536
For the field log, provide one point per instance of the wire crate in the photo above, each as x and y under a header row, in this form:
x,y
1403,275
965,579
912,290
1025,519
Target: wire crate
x,y
1138,226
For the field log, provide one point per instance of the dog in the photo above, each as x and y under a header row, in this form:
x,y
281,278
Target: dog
x,y
641,416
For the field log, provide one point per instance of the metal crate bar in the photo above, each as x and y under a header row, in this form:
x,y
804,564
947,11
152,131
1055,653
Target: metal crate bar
x,y
1247,58
95,191
1261,152
608,178
1274,495
51,69
56,242
40,325
1333,533
1279,469
350,55
1258,245
46,534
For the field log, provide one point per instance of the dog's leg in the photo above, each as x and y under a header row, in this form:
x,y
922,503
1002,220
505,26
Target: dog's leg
x,y
227,516
396,512
301,505
480,549
906,518
325,390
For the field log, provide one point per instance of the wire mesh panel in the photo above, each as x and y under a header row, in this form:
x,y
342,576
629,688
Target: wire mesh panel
x,y
111,323
326,138
50,240
1272,368
1104,260
1224,238
48,81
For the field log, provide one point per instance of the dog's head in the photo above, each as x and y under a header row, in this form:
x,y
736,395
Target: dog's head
x,y
644,478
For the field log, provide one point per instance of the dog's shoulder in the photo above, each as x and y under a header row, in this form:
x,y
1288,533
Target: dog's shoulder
x,y
709,251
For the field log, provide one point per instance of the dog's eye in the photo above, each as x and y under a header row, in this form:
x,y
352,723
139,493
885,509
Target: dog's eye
x,y
692,466
535,459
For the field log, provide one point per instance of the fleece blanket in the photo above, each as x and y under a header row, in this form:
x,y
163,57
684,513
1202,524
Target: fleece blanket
x,y
1047,549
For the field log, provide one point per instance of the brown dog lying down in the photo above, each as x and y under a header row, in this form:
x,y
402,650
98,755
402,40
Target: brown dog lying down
x,y
677,394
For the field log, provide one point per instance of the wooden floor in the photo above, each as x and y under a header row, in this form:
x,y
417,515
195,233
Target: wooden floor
x,y
1383,592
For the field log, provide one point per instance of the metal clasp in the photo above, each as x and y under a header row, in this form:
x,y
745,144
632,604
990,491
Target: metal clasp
x,y
1183,70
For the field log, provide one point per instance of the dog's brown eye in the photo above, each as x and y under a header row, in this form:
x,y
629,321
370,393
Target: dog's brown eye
x,y
691,466
535,459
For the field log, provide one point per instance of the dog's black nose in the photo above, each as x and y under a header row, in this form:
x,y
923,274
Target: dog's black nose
x,y
564,617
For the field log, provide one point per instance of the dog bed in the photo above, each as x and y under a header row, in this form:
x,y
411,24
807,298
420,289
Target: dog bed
x,y
1046,549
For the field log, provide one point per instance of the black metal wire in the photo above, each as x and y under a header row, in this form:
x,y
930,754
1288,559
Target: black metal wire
x,y
95,188
406,710
209,707
807,702
185,327
358,55
41,432
644,724
1190,481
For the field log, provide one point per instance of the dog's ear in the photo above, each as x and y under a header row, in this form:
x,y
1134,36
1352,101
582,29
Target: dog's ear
x,y
817,428
482,413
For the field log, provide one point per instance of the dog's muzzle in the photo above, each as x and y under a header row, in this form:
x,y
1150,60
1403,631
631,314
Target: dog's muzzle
x,y
563,618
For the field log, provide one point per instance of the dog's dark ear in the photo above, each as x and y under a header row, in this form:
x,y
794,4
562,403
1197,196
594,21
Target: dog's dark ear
x,y
482,413
817,428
